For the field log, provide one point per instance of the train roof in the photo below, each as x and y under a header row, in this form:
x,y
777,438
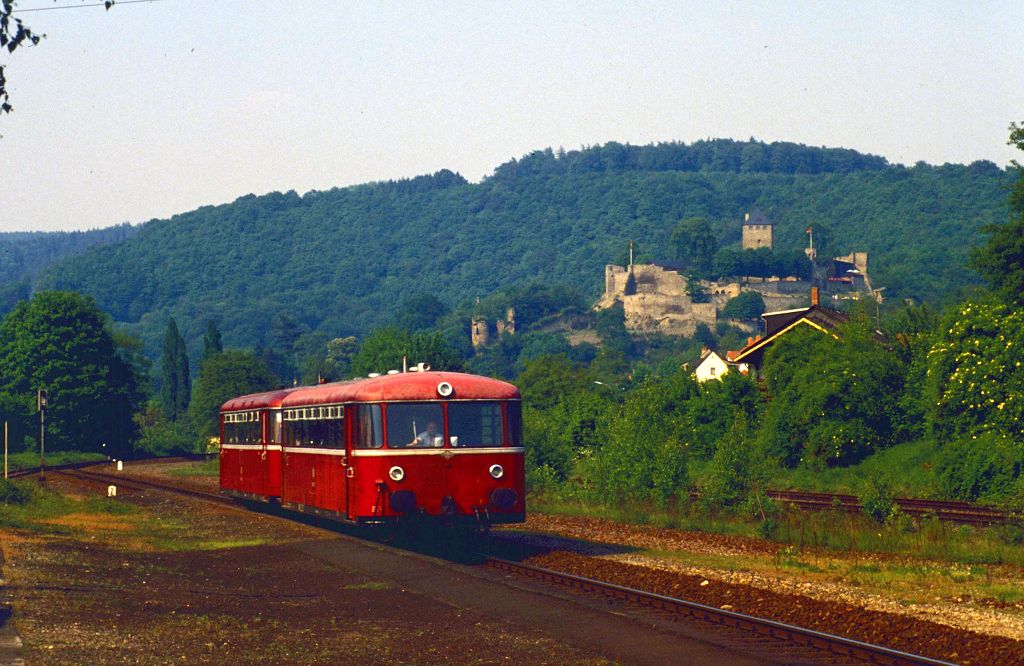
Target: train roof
x,y
402,386
258,400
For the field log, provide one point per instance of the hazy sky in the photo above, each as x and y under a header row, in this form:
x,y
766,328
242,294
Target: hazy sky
x,y
152,109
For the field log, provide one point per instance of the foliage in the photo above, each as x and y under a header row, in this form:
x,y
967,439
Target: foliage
x,y
747,305
876,499
645,456
987,467
385,349
693,243
559,223
24,254
739,469
611,329
13,34
176,387
420,312
62,342
13,492
714,407
212,343
222,377
159,436
761,262
1001,260
830,399
975,376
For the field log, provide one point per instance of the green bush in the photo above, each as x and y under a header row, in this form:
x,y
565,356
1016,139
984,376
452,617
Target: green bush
x,y
987,466
645,456
876,499
14,492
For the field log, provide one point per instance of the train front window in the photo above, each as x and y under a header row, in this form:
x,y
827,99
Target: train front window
x,y
415,424
475,424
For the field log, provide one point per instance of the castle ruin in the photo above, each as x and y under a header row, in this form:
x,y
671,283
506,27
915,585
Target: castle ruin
x,y
655,298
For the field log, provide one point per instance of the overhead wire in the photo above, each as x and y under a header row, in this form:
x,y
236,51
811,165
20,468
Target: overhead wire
x,y
79,6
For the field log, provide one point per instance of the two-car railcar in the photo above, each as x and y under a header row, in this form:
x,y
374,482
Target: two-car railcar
x,y
407,445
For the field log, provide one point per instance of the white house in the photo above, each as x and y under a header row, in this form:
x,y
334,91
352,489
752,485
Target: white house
x,y
711,366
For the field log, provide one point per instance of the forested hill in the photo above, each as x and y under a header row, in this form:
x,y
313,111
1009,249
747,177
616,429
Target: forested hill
x,y
341,261
24,254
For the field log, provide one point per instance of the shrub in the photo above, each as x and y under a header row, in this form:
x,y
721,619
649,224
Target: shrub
x,y
12,492
876,499
986,466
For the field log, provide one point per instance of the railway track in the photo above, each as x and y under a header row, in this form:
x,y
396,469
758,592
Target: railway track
x,y
952,511
830,648
856,651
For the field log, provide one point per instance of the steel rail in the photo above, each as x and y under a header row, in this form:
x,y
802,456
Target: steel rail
x,y
948,510
863,652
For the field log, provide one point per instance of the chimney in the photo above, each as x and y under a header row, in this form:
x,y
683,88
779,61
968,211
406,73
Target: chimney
x,y
814,296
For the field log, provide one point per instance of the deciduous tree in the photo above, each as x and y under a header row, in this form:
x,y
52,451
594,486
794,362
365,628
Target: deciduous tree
x,y
62,342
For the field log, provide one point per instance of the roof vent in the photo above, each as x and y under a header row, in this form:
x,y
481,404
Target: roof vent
x,y
392,372
373,374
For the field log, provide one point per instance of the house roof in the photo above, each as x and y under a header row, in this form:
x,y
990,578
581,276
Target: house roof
x,y
781,322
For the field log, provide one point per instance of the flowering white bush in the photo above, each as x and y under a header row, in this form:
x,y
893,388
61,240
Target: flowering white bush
x,y
976,372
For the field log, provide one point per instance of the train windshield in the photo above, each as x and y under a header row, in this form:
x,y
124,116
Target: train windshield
x,y
475,424
414,424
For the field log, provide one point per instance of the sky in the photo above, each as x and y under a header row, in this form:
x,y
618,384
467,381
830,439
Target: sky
x,y
156,108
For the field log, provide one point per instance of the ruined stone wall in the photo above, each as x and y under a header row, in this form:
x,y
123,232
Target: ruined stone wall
x,y
659,303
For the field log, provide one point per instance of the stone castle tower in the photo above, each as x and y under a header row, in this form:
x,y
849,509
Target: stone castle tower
x,y
757,231
480,334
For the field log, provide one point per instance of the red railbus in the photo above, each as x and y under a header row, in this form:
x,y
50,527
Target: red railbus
x,y
408,445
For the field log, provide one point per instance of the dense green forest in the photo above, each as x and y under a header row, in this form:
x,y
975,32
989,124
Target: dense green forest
x,y
24,254
341,261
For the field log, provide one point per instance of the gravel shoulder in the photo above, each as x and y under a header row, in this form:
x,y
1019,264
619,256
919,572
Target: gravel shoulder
x,y
212,586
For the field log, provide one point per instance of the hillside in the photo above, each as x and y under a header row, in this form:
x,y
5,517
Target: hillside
x,y
24,254
342,260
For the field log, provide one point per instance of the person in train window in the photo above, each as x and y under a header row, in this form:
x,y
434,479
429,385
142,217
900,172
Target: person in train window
x,y
429,437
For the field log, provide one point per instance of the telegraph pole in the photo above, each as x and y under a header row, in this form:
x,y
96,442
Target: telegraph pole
x,y
41,403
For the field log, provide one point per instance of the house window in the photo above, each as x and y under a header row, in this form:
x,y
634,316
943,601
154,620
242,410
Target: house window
x,y
712,369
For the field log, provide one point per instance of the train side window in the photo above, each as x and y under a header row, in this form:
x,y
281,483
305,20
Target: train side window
x,y
368,424
475,424
274,427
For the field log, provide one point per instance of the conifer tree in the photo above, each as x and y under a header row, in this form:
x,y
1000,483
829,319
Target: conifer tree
x,y
211,341
174,394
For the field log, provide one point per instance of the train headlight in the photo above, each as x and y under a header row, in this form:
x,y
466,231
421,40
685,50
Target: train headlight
x,y
497,471
396,473
444,389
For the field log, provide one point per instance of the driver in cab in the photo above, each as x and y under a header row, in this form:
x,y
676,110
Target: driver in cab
x,y
429,437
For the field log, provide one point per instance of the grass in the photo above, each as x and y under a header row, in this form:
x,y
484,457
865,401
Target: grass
x,y
209,467
24,504
372,585
30,459
837,532
907,467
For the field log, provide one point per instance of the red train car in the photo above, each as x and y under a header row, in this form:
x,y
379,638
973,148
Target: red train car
x,y
439,444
